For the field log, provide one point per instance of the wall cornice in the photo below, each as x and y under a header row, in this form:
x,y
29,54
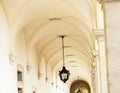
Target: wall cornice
x,y
108,1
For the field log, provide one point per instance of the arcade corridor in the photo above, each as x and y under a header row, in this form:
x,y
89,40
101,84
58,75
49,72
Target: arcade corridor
x,y
32,53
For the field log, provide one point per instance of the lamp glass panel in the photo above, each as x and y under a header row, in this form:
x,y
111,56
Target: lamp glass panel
x,y
64,76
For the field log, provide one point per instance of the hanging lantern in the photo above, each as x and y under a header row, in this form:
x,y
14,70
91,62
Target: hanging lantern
x,y
64,73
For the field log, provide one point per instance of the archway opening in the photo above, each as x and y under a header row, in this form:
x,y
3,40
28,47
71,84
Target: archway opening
x,y
81,86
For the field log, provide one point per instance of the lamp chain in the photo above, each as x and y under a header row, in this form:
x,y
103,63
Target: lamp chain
x,y
63,50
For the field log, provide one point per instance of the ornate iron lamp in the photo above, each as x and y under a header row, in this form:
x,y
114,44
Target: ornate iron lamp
x,y
64,73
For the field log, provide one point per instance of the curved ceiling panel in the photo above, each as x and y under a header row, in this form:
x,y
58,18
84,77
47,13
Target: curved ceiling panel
x,y
59,27
21,13
79,42
43,20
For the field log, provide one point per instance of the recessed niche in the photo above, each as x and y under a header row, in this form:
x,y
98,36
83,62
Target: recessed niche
x,y
20,90
34,89
34,92
19,76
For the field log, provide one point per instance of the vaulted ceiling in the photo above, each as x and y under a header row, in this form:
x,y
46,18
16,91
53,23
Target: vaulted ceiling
x,y
44,20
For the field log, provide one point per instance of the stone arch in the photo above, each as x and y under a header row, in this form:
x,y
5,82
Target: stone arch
x,y
80,84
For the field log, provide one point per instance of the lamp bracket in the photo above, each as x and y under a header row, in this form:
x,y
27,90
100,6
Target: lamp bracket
x,y
62,36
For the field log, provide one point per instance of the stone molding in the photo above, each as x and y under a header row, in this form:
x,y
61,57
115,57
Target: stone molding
x,y
99,32
12,56
107,0
28,67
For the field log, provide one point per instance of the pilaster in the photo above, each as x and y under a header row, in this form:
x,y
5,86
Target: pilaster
x,y
112,29
101,62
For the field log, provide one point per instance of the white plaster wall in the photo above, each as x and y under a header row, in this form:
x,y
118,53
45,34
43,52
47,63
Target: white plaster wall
x,y
103,73
43,76
7,84
113,44
22,61
31,79
8,71
100,21
47,88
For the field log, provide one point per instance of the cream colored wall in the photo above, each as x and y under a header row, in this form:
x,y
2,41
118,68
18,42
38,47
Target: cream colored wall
x,y
31,79
112,17
7,73
103,73
45,85
8,70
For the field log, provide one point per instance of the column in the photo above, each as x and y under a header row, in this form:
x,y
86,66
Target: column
x,y
101,62
7,73
98,75
103,65
112,25
97,71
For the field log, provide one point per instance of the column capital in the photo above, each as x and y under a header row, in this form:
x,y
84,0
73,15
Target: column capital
x,y
28,67
102,2
95,53
99,33
12,56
